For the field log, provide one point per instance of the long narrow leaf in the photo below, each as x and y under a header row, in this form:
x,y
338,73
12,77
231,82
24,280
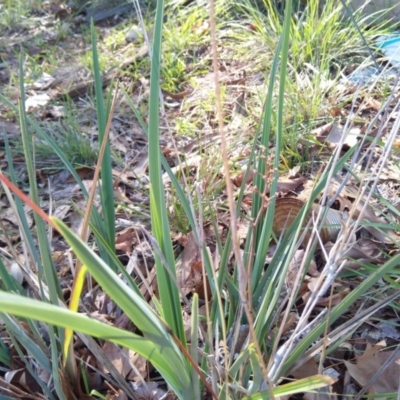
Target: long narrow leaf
x,y
107,187
154,351
169,294
131,303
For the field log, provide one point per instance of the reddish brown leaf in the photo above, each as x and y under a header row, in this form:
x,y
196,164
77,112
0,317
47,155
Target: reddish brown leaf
x,y
369,363
125,239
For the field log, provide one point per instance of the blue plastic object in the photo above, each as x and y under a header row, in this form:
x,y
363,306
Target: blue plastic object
x,y
390,46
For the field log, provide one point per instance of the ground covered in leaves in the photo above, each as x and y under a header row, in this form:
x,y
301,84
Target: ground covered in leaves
x,y
53,46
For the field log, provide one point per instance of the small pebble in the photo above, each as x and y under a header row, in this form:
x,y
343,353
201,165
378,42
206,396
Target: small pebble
x,y
16,272
135,33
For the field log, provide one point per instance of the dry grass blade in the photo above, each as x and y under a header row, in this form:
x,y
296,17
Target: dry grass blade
x,y
229,186
368,171
344,330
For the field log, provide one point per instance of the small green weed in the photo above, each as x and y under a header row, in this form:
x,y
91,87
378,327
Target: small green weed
x,y
183,36
14,12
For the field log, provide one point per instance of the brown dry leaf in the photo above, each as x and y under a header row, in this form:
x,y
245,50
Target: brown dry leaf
x,y
336,111
346,197
10,128
192,162
150,391
289,322
369,363
141,365
289,185
238,179
62,211
119,142
365,251
356,265
294,268
122,359
140,165
370,104
243,226
18,375
307,191
52,113
189,271
125,176
203,291
307,370
333,300
125,239
390,173
10,222
382,234
322,132
367,248
118,396
312,267
75,217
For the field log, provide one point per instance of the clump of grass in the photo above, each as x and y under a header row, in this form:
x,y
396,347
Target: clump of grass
x,y
324,42
246,295
182,37
77,147
12,13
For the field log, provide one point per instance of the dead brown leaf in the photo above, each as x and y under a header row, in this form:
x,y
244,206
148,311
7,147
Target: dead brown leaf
x,y
192,162
123,359
383,234
369,363
294,268
125,239
9,128
119,396
337,111
323,131
238,179
334,299
289,185
371,104
307,370
190,271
